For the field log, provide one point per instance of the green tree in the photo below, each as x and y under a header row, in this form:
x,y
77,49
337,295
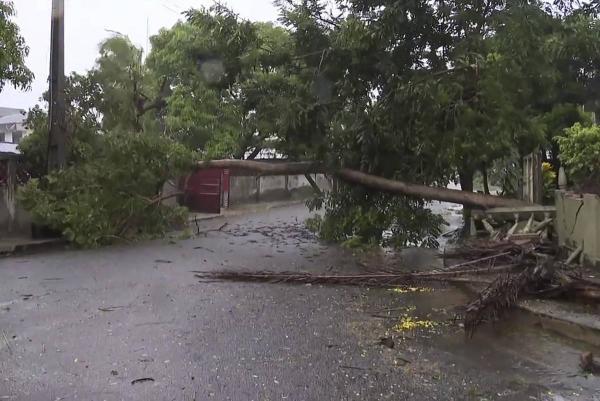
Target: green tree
x,y
13,51
428,90
200,60
83,97
421,91
131,98
114,194
236,85
580,153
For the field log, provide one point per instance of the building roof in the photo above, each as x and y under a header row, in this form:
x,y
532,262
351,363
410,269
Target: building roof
x,y
7,111
12,119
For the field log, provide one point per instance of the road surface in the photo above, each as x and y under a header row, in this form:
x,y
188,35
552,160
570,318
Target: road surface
x,y
85,325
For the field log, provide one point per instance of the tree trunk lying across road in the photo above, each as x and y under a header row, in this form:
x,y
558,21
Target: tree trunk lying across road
x,y
367,180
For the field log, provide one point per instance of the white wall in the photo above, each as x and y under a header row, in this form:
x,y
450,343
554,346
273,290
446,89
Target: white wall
x,y
243,189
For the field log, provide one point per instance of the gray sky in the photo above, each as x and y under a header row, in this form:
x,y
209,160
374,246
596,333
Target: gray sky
x,y
86,25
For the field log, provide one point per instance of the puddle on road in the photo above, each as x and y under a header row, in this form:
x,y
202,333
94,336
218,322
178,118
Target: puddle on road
x,y
530,360
515,350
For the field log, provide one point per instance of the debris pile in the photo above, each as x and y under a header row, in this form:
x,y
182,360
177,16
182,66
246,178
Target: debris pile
x,y
513,263
506,223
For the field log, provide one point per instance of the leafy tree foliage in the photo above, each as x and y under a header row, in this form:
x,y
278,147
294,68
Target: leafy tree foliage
x,y
424,91
83,126
12,50
113,194
226,75
580,152
428,90
110,97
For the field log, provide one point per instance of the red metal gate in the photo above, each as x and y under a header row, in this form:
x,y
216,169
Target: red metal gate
x,y
203,191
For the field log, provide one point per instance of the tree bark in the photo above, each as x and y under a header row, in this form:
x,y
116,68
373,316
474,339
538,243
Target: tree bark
x,y
370,181
465,178
486,185
314,185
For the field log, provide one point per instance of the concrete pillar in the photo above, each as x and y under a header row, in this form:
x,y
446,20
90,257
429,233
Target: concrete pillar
x,y
562,179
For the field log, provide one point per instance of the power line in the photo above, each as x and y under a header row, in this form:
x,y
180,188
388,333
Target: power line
x,y
166,5
170,9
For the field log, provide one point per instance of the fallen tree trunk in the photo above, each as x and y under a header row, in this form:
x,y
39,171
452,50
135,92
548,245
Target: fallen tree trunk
x,y
369,181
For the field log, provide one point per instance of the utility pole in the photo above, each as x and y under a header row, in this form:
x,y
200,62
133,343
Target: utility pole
x,y
57,136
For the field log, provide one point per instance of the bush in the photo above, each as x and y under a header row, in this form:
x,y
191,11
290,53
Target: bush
x,y
580,154
113,195
354,215
549,177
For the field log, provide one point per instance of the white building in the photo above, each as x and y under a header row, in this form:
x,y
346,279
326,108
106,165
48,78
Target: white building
x,y
12,125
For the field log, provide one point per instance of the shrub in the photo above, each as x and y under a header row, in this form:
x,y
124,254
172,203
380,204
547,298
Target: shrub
x,y
113,195
580,154
354,216
549,177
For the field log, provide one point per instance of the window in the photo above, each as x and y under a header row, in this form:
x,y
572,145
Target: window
x,y
17,136
2,137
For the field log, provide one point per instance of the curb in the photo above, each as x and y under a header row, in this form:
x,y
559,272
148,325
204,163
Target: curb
x,y
240,212
31,247
556,317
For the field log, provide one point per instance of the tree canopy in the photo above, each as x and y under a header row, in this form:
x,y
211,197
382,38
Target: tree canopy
x,y
13,50
426,91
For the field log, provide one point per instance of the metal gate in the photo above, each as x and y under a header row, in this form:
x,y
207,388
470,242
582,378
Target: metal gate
x,y
203,191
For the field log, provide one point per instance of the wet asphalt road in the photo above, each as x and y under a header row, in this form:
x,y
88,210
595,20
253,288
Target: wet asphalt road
x,y
82,325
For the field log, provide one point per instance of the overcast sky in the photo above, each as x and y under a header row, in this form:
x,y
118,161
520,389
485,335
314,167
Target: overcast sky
x,y
87,22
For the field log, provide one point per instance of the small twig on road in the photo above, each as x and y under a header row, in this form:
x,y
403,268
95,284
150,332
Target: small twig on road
x,y
476,261
7,342
353,367
386,317
204,248
403,359
111,308
142,380
154,323
211,230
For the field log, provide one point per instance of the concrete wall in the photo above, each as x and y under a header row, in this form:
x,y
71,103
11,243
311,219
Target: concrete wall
x,y
14,220
170,188
272,183
297,181
243,189
249,189
578,223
